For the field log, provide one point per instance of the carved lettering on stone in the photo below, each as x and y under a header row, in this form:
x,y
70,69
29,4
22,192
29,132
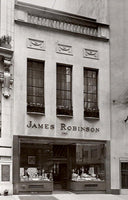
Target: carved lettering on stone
x,y
89,53
36,44
64,49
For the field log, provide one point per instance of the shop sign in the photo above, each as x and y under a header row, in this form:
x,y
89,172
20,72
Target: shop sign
x,y
79,128
63,127
40,126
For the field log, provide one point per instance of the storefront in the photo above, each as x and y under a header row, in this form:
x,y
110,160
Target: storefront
x,y
42,165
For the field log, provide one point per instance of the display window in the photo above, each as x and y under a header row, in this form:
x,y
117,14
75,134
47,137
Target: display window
x,y
35,162
90,163
40,162
62,166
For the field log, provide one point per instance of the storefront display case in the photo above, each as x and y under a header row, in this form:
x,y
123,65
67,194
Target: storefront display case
x,y
35,180
89,172
35,169
43,167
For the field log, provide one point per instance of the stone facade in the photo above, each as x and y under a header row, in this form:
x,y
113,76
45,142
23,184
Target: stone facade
x,y
80,39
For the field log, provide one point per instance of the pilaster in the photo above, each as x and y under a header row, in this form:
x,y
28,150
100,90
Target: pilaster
x,y
6,116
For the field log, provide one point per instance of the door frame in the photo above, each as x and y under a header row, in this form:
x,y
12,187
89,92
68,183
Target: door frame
x,y
122,160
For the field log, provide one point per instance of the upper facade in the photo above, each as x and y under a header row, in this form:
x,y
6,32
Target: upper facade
x,y
72,55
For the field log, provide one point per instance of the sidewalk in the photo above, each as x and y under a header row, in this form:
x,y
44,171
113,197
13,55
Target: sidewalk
x,y
68,196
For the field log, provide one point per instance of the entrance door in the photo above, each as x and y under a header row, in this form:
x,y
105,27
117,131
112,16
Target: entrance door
x,y
60,176
124,175
60,154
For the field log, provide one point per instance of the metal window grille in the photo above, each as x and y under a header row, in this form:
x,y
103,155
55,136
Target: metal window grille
x,y
35,86
90,93
64,90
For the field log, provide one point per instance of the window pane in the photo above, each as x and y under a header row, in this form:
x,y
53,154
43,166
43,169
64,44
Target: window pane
x,y
85,97
94,74
90,73
90,97
90,81
90,159
35,85
94,98
85,105
64,87
90,88
94,89
94,82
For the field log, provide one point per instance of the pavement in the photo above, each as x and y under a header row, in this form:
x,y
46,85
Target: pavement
x,y
66,196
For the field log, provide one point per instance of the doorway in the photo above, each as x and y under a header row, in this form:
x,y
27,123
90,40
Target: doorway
x,y
124,175
60,173
60,176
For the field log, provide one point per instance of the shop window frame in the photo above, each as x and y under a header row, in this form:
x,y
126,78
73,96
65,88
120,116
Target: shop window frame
x,y
93,111
35,107
64,110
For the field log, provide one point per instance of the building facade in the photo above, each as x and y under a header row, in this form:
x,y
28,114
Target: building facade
x,y
55,102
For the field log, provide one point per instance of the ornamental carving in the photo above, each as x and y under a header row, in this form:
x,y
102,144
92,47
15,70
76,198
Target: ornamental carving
x,y
6,78
64,49
36,44
5,41
89,53
81,29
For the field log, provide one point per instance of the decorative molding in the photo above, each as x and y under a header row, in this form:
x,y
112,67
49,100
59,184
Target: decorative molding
x,y
64,49
6,78
59,20
90,53
35,44
56,24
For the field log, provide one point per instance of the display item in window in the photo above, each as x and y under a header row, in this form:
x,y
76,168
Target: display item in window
x,y
81,175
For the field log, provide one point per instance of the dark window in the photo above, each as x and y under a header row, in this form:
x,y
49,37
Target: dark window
x,y
90,93
93,153
35,86
59,151
124,175
64,90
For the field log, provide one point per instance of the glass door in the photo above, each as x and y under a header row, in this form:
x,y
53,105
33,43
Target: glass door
x,y
60,175
60,167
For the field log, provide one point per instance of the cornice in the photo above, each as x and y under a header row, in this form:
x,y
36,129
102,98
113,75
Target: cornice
x,y
60,21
